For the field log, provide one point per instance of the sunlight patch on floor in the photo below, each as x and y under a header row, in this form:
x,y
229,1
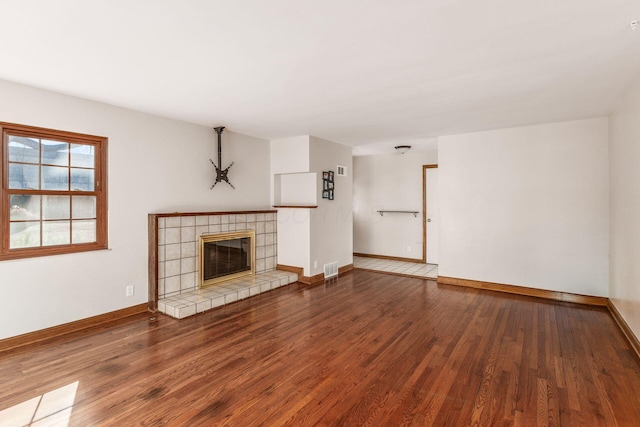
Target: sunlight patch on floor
x,y
49,409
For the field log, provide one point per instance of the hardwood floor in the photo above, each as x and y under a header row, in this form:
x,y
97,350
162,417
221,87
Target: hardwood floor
x,y
366,349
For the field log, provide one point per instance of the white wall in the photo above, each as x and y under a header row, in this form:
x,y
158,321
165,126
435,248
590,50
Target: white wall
x,y
624,153
527,206
294,238
323,234
389,182
332,221
288,155
155,165
291,155
296,188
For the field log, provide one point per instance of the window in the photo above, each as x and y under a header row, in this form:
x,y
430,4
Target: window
x,y
54,193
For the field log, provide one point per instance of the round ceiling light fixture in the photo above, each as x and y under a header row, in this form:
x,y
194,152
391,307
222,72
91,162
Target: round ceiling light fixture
x,y
402,148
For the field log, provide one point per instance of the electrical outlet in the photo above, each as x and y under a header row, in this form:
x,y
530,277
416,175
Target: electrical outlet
x,y
315,264
130,290
408,248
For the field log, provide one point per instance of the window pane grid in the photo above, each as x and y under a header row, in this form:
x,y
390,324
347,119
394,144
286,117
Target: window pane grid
x,y
54,184
62,166
52,226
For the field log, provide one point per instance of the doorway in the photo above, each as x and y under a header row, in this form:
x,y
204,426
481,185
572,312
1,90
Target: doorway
x,y
430,213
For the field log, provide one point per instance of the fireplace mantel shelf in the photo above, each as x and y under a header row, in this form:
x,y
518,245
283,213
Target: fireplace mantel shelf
x,y
174,214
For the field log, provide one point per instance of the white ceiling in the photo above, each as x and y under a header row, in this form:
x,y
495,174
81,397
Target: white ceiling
x,y
368,73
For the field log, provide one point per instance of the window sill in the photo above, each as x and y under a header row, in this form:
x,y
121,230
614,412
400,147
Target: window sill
x,y
53,250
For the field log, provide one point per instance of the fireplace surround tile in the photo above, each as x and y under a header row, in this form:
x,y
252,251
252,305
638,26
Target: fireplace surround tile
x,y
170,310
211,292
255,290
231,297
172,235
187,234
270,238
203,306
186,311
269,226
172,251
171,285
187,281
172,268
188,249
217,301
187,265
270,263
269,251
172,222
187,221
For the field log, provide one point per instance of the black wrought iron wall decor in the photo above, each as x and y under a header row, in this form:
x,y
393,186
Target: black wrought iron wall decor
x,y
328,185
221,174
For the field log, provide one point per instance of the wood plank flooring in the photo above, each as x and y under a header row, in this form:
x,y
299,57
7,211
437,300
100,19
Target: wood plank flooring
x,y
367,349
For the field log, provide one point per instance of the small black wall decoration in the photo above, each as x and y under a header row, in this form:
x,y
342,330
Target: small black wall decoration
x,y
221,174
327,185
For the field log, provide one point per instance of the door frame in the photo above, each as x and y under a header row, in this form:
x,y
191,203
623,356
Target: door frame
x,y
424,209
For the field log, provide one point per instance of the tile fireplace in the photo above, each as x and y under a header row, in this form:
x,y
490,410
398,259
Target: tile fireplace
x,y
175,260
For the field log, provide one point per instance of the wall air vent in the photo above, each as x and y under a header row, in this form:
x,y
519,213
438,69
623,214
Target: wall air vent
x,y
331,269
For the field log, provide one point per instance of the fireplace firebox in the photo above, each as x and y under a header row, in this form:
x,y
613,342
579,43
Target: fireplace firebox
x,y
226,256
